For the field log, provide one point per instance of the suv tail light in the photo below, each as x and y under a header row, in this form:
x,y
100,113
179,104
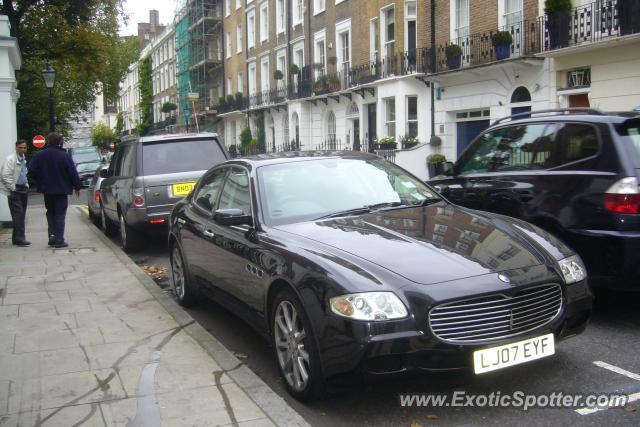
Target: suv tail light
x,y
97,196
623,197
138,197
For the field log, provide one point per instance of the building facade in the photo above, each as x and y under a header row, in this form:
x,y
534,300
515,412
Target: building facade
x,y
163,77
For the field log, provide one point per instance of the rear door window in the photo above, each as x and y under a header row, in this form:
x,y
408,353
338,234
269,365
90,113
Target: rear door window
x,y
165,157
236,194
512,148
574,141
630,133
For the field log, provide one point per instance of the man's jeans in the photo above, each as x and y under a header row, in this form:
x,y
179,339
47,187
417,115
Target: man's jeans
x,y
18,207
56,205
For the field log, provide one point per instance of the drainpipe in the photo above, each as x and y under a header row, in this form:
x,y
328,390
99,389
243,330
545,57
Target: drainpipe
x,y
433,64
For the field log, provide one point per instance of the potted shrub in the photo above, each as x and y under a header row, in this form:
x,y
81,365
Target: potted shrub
x,y
222,101
409,141
333,82
558,22
294,69
277,75
501,42
386,143
321,85
239,99
434,164
453,53
230,99
435,141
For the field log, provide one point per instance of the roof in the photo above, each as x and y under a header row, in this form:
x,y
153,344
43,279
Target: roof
x,y
581,115
300,156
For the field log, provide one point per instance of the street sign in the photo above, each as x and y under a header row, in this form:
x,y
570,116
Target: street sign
x,y
38,141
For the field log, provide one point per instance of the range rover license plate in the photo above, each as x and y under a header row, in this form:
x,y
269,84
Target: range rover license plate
x,y
491,359
182,189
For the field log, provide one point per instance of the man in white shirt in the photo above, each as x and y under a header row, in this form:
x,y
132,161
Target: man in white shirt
x,y
13,183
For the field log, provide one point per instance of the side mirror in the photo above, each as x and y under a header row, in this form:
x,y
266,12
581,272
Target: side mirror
x,y
442,189
232,217
104,173
448,169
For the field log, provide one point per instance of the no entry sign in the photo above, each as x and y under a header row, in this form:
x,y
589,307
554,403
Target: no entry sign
x,y
38,141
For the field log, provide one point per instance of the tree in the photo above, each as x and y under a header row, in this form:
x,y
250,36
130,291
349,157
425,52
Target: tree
x,y
168,107
146,95
119,123
79,38
102,136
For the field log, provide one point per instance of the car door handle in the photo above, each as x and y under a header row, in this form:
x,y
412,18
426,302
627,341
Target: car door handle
x,y
209,233
181,221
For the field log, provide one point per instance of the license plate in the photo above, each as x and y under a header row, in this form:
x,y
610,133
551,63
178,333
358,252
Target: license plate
x,y
491,359
182,189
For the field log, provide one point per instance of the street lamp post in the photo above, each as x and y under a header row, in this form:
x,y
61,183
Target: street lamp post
x,y
49,75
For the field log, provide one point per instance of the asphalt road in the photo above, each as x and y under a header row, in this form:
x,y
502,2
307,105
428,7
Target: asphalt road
x,y
604,359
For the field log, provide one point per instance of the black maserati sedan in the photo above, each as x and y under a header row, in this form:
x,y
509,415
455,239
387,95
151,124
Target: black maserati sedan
x,y
350,265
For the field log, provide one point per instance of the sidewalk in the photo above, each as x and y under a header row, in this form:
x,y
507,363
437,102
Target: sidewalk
x,y
86,338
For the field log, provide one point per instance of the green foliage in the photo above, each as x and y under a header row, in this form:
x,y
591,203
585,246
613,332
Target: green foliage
x,y
245,137
168,107
102,135
239,97
436,158
501,37
261,134
553,6
222,101
435,141
294,69
119,123
277,75
230,99
409,141
146,95
453,50
387,140
79,38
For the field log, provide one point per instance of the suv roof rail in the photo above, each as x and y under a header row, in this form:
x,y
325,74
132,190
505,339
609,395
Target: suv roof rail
x,y
553,110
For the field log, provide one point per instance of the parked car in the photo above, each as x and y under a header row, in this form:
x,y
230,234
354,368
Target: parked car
x,y
93,196
574,173
349,264
147,176
87,161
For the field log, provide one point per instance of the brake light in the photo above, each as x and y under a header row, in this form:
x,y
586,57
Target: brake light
x,y
138,197
623,197
157,221
97,197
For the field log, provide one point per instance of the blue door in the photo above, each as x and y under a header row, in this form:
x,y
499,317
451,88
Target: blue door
x,y
467,131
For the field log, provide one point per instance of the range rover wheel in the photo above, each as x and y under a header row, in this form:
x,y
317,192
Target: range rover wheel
x,y
130,238
295,348
107,226
186,295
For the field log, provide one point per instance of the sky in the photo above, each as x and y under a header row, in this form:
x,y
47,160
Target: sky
x,y
138,11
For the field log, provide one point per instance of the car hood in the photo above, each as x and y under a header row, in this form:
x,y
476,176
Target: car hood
x,y
436,243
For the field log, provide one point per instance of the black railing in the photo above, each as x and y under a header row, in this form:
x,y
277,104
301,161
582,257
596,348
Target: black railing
x,y
593,22
268,97
236,151
238,104
478,48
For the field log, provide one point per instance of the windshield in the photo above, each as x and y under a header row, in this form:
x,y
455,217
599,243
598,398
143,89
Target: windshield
x,y
84,167
180,156
304,191
85,156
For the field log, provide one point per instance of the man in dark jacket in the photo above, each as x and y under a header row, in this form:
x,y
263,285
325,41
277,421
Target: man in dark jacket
x,y
56,176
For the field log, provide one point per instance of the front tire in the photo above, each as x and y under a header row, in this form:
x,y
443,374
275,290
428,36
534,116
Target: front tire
x,y
186,295
295,348
130,238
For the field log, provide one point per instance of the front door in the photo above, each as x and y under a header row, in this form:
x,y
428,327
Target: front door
x,y
372,123
467,131
356,135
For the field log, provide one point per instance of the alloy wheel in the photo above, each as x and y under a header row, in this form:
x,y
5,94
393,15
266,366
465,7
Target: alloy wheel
x,y
292,355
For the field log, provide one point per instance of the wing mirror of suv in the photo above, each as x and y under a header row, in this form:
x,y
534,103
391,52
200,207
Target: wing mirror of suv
x,y
232,217
104,173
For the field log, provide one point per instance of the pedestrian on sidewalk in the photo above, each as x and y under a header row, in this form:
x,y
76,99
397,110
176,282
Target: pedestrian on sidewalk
x,y
56,176
13,184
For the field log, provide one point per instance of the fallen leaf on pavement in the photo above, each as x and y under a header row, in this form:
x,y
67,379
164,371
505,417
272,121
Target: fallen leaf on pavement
x,y
240,355
432,417
415,424
629,409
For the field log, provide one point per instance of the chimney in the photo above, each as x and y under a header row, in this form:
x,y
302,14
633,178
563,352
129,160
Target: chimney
x,y
154,18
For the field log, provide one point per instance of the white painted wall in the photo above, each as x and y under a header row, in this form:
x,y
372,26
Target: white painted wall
x,y
401,89
10,61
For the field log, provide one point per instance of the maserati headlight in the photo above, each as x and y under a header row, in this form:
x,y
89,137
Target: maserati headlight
x,y
573,269
372,306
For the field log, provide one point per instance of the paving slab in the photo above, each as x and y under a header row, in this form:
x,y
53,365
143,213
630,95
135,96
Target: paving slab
x,y
86,338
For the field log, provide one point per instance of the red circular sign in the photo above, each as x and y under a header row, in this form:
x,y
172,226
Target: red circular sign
x,y
38,141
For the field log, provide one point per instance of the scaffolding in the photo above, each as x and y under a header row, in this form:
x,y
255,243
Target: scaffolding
x,y
199,59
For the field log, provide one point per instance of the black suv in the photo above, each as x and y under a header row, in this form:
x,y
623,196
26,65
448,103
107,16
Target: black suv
x,y
147,176
573,172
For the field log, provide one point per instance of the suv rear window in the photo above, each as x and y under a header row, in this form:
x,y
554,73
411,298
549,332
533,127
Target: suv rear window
x,y
180,156
631,136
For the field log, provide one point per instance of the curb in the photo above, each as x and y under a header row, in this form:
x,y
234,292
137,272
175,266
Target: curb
x,y
275,407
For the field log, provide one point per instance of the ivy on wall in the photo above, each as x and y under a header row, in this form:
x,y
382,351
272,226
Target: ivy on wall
x,y
146,95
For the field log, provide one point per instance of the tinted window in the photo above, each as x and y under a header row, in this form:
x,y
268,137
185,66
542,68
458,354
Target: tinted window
x,y
180,156
631,137
236,194
128,162
206,195
124,153
574,142
511,148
